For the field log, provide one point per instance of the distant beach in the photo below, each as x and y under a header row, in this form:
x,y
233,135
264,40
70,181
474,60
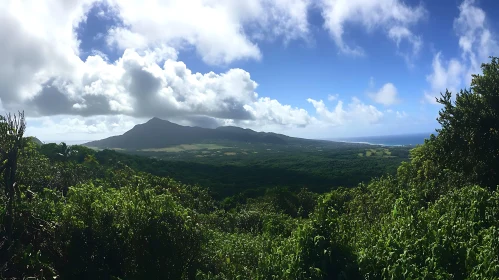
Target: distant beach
x,y
388,140
68,142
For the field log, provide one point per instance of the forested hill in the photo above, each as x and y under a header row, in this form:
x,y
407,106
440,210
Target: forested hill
x,y
35,140
75,213
158,133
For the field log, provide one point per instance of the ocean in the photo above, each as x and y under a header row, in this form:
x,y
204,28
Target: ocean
x,y
385,140
389,140
68,142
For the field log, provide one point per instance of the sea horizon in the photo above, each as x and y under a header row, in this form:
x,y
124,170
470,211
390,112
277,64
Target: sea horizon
x,y
68,142
411,139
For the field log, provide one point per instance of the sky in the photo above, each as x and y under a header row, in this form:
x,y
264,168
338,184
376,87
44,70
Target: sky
x,y
88,69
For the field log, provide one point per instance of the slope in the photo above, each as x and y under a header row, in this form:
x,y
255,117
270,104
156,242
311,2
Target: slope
x,y
158,133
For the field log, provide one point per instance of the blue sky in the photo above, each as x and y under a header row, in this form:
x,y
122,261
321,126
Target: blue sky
x,y
308,68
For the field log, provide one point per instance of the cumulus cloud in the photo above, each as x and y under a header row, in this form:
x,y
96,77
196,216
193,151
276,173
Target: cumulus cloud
x,y
355,111
332,97
267,110
36,46
44,72
449,76
72,128
386,95
393,17
137,86
476,42
200,121
221,31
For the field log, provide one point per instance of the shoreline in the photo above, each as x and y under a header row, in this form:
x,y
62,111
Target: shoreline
x,y
374,144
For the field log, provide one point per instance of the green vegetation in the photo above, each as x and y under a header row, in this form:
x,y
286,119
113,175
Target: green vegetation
x,y
380,152
186,147
161,134
70,212
252,168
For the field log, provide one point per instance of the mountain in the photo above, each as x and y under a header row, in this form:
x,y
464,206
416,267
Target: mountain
x,y
158,133
34,140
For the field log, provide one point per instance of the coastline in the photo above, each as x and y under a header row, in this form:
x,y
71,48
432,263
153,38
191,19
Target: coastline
x,y
404,140
374,144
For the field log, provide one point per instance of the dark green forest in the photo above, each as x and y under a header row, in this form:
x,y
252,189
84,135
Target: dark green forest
x,y
318,170
70,212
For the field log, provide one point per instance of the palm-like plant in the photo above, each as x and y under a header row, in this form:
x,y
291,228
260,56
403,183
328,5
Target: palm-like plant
x,y
12,129
66,151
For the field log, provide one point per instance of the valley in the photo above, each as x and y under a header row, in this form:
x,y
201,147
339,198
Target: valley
x,y
228,166
249,140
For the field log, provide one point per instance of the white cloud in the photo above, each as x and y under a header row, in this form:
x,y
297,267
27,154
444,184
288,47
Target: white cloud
x,y
476,42
444,77
76,129
355,112
335,117
391,16
137,86
475,37
401,115
270,111
220,30
37,45
386,95
332,97
41,70
363,112
398,34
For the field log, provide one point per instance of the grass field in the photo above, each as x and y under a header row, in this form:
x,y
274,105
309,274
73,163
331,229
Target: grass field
x,y
186,147
381,152
229,168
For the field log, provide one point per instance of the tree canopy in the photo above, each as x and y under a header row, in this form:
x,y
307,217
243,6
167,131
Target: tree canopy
x,y
67,213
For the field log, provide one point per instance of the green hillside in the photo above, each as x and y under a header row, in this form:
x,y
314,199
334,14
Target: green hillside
x,y
157,133
71,212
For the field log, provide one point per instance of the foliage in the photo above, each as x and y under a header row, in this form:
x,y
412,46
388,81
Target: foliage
x,y
254,168
467,141
70,212
100,232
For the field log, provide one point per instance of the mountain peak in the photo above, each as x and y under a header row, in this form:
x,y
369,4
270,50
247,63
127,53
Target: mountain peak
x,y
156,119
160,122
158,133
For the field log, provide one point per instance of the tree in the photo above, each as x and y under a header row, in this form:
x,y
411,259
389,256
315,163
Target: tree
x,y
468,141
66,152
12,129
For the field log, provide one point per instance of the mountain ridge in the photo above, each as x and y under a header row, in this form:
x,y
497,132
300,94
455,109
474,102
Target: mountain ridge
x,y
159,133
